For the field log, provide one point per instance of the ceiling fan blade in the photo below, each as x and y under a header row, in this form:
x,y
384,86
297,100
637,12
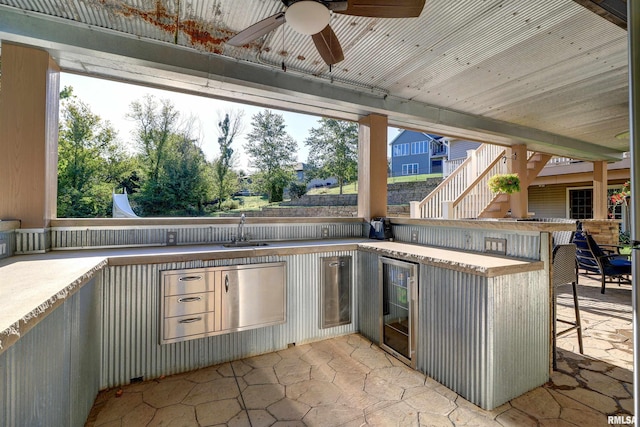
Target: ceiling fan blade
x,y
384,8
257,30
328,46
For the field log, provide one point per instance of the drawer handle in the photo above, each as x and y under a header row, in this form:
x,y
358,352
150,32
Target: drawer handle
x,y
334,264
189,299
191,320
189,278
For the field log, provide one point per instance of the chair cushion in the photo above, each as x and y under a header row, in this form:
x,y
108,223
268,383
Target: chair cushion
x,y
620,262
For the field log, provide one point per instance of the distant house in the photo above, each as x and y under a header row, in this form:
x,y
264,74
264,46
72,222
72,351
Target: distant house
x,y
414,153
315,182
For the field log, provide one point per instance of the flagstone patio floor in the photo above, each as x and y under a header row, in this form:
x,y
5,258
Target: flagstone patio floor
x,y
348,381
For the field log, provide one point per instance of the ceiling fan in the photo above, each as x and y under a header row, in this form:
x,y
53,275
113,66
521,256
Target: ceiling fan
x,y
311,17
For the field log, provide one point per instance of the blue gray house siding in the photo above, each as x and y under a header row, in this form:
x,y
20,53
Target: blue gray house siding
x,y
458,148
406,160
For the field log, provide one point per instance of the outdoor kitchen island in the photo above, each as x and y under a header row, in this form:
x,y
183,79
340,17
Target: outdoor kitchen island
x,y
98,328
482,326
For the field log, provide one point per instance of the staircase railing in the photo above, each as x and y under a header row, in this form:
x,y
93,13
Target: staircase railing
x,y
461,181
477,196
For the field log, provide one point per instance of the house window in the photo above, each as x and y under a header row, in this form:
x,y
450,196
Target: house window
x,y
420,147
410,169
401,150
581,203
438,148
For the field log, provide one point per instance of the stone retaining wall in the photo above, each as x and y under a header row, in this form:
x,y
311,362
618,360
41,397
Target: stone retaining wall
x,y
317,211
397,194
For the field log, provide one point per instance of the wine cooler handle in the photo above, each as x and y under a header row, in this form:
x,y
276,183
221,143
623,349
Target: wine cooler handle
x,y
413,288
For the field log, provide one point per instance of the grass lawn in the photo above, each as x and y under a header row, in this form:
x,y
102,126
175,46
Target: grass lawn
x,y
353,187
626,250
252,203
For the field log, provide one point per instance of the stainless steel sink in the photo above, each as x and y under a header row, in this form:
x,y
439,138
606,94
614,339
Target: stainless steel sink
x,y
244,244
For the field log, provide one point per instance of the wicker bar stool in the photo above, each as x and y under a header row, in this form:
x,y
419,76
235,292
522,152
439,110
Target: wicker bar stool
x,y
565,271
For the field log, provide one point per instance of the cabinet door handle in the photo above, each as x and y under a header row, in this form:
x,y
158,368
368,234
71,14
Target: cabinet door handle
x,y
189,278
191,320
334,264
226,283
189,299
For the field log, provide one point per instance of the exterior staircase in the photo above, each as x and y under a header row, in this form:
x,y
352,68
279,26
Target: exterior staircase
x,y
465,193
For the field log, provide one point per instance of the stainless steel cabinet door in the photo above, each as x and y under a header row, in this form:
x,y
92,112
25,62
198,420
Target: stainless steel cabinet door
x,y
335,291
252,296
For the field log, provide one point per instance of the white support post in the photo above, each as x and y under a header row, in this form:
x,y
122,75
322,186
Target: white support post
x,y
414,210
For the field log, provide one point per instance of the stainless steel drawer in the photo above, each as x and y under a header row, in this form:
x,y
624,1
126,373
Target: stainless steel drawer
x,y
188,327
191,281
180,305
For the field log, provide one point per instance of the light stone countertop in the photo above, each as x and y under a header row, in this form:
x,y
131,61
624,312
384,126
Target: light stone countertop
x,y
453,259
31,286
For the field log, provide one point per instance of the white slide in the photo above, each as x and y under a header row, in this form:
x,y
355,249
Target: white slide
x,y
121,206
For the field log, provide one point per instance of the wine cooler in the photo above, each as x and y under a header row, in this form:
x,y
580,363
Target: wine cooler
x,y
398,311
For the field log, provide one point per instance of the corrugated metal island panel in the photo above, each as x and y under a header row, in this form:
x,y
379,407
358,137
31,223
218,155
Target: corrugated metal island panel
x,y
51,375
485,338
130,329
369,296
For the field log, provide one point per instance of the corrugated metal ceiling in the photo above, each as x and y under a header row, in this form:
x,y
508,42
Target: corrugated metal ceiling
x,y
550,65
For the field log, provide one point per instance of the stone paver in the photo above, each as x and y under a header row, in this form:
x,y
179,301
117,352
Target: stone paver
x,y
349,382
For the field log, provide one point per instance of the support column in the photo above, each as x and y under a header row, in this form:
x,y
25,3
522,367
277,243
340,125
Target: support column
x,y
633,34
600,180
28,135
372,167
520,201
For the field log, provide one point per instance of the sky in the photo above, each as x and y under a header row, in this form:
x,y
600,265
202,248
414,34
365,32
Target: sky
x,y
111,100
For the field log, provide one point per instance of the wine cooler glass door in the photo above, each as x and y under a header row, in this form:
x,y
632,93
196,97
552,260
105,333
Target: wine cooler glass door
x,y
397,312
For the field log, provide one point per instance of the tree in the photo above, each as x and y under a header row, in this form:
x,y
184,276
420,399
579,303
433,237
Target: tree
x,y
186,180
272,152
91,161
225,181
177,178
333,150
156,123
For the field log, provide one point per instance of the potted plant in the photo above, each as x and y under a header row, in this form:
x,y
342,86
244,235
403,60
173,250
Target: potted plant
x,y
504,183
623,197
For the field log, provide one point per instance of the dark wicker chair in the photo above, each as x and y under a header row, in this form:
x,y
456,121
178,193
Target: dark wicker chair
x,y
604,261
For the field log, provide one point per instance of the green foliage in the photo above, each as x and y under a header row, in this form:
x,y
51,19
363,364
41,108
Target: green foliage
x,y
225,180
230,204
504,183
272,152
333,151
625,237
91,161
297,190
177,179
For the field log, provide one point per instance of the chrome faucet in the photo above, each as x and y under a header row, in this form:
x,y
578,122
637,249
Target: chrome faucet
x,y
241,236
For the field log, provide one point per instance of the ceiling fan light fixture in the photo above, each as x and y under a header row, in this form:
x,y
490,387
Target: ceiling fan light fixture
x,y
307,17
